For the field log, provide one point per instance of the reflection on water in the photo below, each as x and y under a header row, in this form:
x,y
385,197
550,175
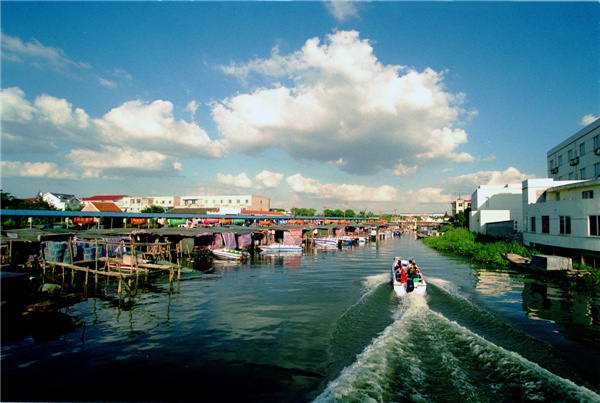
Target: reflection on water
x,y
291,327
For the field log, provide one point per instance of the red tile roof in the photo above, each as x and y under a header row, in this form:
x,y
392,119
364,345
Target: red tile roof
x,y
256,212
103,207
101,197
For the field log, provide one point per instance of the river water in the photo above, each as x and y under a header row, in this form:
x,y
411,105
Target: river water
x,y
321,326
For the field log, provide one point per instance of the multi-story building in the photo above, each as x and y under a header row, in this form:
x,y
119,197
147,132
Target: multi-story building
x,y
62,201
134,204
459,205
563,216
137,204
578,157
497,210
243,202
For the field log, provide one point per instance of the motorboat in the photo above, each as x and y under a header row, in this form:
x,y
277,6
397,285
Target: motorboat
x,y
229,254
278,247
411,280
327,242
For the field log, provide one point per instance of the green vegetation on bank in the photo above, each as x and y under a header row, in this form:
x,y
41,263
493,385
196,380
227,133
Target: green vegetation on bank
x,y
488,250
476,247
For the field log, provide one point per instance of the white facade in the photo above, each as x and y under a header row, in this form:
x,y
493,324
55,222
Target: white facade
x,y
578,157
562,214
62,201
134,204
243,202
492,204
137,204
459,205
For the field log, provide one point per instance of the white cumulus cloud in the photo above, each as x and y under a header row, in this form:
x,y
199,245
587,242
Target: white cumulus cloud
x,y
351,193
341,10
15,108
241,180
588,119
470,182
48,170
334,101
268,180
153,127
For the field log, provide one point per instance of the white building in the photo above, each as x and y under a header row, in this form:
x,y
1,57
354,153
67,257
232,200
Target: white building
x,y
563,215
137,204
134,204
62,201
578,157
501,206
459,205
243,202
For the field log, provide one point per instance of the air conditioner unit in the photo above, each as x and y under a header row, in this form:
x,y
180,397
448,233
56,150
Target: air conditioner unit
x,y
597,151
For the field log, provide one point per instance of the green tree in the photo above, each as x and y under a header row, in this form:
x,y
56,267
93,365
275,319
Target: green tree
x,y
153,210
350,213
12,203
303,212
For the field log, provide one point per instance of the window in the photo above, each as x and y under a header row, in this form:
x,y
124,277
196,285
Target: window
x,y
552,164
571,175
587,194
581,149
597,169
545,224
582,173
597,142
565,224
570,155
532,224
557,196
594,225
559,160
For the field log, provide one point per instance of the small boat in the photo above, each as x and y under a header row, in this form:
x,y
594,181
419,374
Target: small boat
x,y
327,242
347,240
547,264
409,282
278,247
229,254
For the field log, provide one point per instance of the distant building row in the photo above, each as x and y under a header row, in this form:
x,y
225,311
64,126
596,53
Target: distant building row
x,y
561,212
226,204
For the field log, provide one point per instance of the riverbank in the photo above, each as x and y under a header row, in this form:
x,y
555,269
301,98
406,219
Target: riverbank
x,y
486,250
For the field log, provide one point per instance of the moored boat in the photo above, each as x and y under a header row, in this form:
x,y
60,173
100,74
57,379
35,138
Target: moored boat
x,y
277,247
546,264
327,242
406,277
229,254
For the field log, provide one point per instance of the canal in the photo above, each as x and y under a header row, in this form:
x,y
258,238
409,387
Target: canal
x,y
320,326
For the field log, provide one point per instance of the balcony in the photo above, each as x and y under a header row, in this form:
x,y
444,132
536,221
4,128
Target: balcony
x,y
574,161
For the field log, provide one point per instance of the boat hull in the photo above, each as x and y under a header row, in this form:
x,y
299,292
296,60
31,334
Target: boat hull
x,y
280,248
401,289
229,254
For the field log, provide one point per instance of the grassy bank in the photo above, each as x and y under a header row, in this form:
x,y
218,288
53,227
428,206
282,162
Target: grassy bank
x,y
487,250
476,247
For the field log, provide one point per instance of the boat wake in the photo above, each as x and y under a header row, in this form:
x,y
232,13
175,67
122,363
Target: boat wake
x,y
424,356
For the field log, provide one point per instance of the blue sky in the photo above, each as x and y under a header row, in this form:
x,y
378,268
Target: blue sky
x,y
385,106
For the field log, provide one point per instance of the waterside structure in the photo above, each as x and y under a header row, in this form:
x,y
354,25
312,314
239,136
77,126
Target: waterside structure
x,y
142,247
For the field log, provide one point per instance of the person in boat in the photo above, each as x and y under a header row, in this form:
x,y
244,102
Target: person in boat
x,y
402,275
397,270
411,268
